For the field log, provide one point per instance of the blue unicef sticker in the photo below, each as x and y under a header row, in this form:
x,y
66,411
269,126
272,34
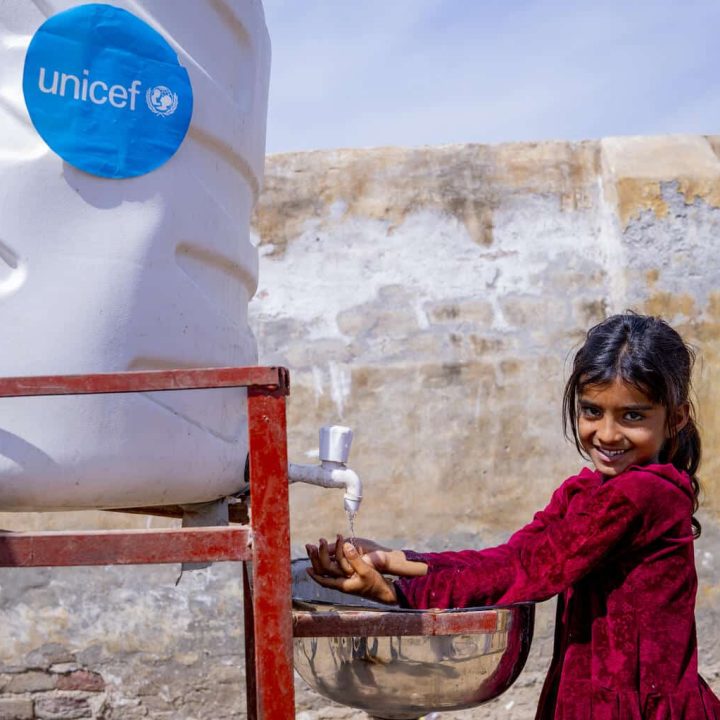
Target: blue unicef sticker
x,y
106,92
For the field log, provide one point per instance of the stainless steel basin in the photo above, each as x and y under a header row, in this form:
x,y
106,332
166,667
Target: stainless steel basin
x,y
401,664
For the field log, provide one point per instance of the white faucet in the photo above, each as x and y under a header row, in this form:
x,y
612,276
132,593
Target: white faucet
x,y
335,441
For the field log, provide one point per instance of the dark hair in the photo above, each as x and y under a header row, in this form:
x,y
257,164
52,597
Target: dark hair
x,y
647,353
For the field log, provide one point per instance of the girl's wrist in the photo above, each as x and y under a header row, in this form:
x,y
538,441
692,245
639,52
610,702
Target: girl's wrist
x,y
389,596
400,565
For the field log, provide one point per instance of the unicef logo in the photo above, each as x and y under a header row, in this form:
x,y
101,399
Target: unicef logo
x,y
161,100
84,96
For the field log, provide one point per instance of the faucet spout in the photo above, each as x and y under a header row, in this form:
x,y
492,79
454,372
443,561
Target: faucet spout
x,y
330,474
335,441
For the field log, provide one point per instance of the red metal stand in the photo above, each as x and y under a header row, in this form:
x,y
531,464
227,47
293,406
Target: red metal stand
x,y
268,620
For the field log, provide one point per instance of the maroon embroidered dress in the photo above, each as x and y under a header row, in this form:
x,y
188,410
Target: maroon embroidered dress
x,y
620,552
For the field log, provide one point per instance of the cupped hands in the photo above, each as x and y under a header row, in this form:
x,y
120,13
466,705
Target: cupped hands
x,y
350,569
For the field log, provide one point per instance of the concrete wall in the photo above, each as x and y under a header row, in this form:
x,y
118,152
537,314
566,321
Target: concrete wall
x,y
430,299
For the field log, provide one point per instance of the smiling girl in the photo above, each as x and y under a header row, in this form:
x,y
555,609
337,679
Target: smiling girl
x,y
616,542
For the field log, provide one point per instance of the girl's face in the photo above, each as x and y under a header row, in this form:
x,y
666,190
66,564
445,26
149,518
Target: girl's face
x,y
619,426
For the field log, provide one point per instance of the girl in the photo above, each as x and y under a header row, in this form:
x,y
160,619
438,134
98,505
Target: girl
x,y
616,543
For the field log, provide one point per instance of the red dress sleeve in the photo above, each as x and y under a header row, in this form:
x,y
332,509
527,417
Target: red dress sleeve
x,y
573,535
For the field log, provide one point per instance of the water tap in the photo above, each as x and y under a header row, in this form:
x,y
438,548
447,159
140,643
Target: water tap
x,y
335,442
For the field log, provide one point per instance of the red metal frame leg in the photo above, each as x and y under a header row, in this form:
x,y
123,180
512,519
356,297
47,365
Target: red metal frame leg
x,y
250,674
272,585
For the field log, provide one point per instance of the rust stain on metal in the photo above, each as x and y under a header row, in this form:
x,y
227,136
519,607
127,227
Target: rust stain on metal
x,y
269,378
366,623
123,547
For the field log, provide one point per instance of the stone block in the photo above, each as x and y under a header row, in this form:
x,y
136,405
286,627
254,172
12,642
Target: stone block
x,y
157,706
354,321
47,655
81,680
125,709
8,669
305,353
461,311
589,311
16,708
32,681
532,312
380,318
62,707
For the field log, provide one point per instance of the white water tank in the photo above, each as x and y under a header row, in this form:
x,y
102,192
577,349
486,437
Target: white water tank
x,y
152,271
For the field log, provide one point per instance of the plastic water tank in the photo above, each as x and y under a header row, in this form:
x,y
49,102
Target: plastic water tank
x,y
147,272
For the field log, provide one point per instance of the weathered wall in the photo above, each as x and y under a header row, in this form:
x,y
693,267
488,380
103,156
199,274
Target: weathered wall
x,y
430,299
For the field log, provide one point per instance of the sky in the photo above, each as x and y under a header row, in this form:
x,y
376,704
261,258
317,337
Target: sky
x,y
369,73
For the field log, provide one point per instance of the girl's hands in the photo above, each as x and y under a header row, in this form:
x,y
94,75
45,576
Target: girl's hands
x,y
344,569
383,559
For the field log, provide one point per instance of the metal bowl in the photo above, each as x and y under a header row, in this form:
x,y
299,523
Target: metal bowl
x,y
401,664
